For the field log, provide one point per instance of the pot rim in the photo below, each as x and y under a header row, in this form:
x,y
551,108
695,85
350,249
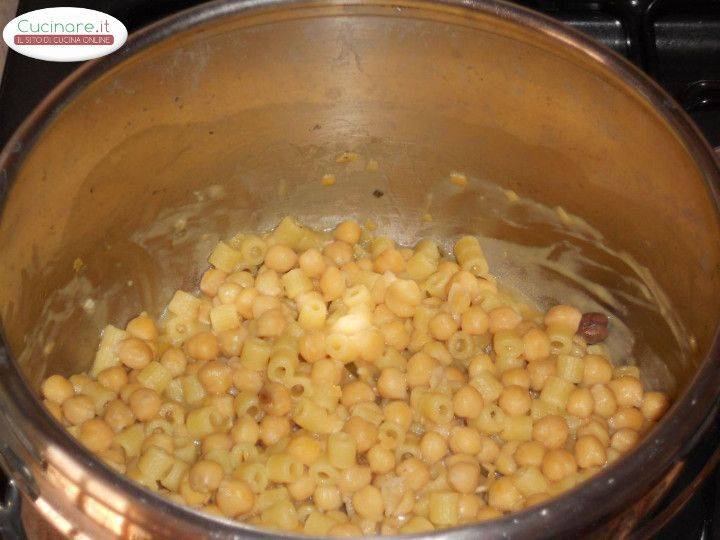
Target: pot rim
x,y
595,500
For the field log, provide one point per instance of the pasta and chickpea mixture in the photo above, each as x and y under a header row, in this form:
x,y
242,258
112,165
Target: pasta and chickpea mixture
x,y
335,383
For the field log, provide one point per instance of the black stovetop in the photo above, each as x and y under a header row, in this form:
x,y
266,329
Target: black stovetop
x,y
677,42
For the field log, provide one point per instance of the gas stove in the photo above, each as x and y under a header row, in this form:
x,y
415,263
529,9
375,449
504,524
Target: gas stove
x,y
677,42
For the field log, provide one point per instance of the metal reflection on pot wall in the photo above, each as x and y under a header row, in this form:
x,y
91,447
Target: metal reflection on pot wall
x,y
426,88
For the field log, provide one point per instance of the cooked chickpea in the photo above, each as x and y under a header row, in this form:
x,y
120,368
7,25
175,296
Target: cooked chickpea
x,y
604,399
174,360
392,384
205,476
118,415
353,273
415,473
348,232
263,303
228,293
312,346
271,323
552,431
57,389
536,345
357,392
395,335
479,363
390,260
380,459
504,496
467,402
530,454
354,478
465,440
332,284
327,497
145,404
338,252
475,321
245,430
597,370
557,464
419,369
234,497
627,417
402,297
400,413
368,503
365,264
244,303
382,315
275,399
624,439
312,263
217,441
503,318
326,372
211,281
134,353
363,432
628,391
78,409
464,477
454,375
515,400
113,378
216,377
202,346
267,283
305,449
597,426
142,327
373,345
96,435
589,452
580,403
247,380
54,409
516,377
489,450
654,405
442,326
273,428
433,447
539,371
302,488
564,316
280,258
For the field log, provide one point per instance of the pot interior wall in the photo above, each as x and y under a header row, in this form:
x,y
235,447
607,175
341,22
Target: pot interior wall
x,y
233,125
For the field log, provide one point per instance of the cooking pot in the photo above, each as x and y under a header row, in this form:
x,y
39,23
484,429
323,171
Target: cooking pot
x,y
228,115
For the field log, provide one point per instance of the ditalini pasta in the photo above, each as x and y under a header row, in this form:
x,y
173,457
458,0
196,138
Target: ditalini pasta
x,y
340,384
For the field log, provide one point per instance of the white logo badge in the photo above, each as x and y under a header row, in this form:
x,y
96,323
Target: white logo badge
x,y
65,34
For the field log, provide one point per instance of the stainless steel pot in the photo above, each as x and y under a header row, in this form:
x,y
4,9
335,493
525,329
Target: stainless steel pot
x,y
258,97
